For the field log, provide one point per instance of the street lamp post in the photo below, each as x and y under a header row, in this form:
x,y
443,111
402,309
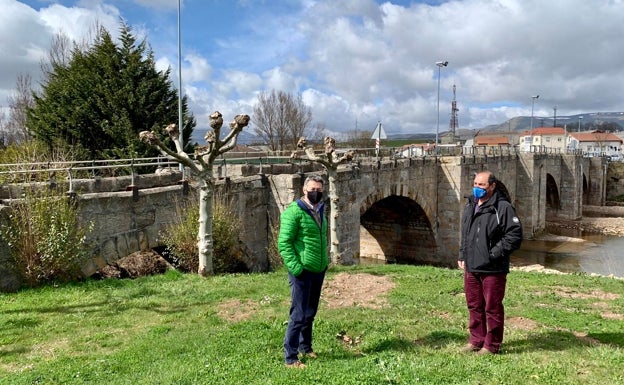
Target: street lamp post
x,y
532,107
579,127
440,64
180,126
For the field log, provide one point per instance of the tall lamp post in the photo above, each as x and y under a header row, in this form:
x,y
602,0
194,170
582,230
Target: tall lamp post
x,y
440,64
180,127
532,107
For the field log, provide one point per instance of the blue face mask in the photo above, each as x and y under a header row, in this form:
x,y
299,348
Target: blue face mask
x,y
479,192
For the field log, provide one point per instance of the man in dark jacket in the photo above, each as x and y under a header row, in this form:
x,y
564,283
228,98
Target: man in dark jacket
x,y
490,232
302,243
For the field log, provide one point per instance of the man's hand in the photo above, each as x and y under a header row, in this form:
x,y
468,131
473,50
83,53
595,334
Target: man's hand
x,y
461,264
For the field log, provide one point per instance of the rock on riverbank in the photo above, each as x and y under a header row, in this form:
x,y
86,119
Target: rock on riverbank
x,y
606,220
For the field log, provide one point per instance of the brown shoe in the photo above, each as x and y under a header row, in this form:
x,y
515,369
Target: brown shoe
x,y
470,348
310,355
296,364
484,352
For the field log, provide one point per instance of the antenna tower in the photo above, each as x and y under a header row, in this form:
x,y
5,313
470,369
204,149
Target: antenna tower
x,y
454,124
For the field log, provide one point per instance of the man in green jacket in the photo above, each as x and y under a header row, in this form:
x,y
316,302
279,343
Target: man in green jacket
x,y
302,244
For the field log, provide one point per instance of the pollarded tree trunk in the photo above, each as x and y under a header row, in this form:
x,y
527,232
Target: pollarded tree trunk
x,y
205,242
330,162
202,167
336,211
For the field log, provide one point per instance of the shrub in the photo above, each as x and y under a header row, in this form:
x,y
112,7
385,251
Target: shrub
x,y
275,259
45,239
15,157
180,239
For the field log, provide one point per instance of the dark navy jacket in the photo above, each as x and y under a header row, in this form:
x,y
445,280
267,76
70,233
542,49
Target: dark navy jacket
x,y
490,235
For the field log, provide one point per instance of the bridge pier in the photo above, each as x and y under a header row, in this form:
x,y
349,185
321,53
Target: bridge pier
x,y
431,193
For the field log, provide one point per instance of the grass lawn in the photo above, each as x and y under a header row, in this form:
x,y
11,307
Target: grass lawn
x,y
184,329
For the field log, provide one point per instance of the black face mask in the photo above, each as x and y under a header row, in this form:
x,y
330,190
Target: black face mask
x,y
314,196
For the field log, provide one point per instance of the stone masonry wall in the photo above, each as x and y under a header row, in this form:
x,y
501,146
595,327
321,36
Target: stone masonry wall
x,y
127,221
615,180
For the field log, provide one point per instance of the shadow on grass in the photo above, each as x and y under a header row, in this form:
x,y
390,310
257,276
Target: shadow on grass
x,y
609,338
439,339
5,352
547,341
560,340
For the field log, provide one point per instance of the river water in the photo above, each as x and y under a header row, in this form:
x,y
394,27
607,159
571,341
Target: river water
x,y
588,253
572,253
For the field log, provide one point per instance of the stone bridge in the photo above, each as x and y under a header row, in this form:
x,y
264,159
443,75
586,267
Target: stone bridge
x,y
409,210
403,210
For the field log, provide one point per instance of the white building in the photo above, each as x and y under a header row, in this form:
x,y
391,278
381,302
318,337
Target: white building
x,y
597,143
544,138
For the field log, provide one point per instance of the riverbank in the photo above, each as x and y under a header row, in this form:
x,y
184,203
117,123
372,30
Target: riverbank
x,y
605,220
598,220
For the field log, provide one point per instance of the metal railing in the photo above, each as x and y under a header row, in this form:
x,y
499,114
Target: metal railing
x,y
46,171
38,171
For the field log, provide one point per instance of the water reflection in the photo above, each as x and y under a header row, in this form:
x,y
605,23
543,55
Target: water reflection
x,y
589,254
570,253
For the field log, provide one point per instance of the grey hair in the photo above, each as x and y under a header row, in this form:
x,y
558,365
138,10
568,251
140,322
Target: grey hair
x,y
314,178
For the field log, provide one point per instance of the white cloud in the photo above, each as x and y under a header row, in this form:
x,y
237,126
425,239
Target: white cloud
x,y
198,70
278,79
362,60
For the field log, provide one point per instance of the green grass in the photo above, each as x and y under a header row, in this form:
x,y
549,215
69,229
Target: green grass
x,y
170,329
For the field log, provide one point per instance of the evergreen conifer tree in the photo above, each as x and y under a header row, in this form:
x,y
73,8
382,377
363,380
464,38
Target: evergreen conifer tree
x,y
106,93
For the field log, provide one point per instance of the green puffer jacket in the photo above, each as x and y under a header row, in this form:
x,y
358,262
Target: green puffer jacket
x,y
301,243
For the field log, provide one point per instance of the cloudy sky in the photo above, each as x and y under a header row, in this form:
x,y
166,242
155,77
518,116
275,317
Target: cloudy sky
x,y
356,62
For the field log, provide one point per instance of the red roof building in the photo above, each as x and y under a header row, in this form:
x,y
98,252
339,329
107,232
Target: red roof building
x,y
492,141
544,137
596,143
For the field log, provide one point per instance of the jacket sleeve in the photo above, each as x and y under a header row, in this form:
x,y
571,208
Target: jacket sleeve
x,y
512,232
289,228
463,231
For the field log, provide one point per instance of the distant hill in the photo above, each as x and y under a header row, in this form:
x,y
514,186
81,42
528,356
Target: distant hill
x,y
418,137
243,138
519,123
589,121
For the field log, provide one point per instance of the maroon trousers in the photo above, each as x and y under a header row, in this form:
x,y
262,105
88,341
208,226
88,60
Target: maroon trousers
x,y
484,297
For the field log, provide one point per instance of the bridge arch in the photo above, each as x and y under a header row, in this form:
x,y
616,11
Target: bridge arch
x,y
553,201
585,198
396,229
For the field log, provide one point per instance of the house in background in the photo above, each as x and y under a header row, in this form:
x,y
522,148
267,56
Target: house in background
x,y
490,140
596,143
544,137
419,149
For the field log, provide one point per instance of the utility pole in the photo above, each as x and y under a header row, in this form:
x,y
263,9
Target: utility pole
x,y
555,118
454,123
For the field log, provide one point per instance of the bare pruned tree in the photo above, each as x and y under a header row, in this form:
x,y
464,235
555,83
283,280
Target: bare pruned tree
x,y
318,132
59,55
3,132
60,52
19,103
280,119
202,168
359,138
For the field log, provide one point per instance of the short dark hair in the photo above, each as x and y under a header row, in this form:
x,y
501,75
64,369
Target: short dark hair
x,y
491,176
